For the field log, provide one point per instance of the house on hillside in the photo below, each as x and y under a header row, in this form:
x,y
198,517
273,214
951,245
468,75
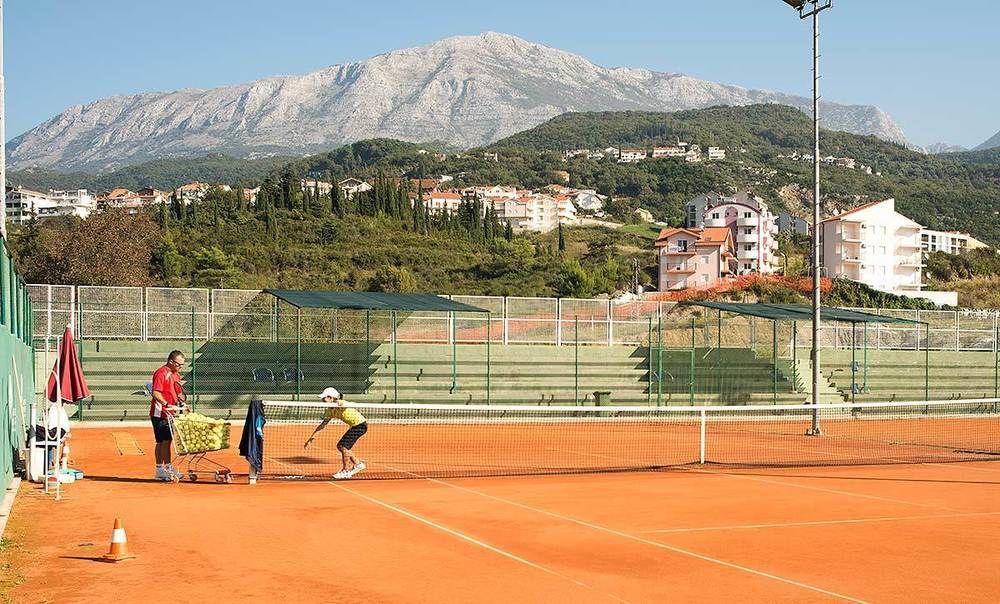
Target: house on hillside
x,y
753,225
677,150
694,258
716,153
192,191
352,186
316,185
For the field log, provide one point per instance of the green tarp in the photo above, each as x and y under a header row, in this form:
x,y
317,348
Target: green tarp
x,y
370,301
797,312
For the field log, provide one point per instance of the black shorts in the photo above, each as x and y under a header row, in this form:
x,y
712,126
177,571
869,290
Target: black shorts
x,y
352,435
161,429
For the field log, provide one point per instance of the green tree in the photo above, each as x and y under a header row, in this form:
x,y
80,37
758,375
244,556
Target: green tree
x,y
573,281
392,279
562,239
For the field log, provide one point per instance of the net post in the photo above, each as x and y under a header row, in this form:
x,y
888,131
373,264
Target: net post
x,y
701,437
576,360
395,372
691,368
298,353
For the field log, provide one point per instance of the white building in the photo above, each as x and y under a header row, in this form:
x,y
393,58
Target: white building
x,y
534,212
950,242
442,201
716,153
24,205
753,225
314,185
589,199
353,186
875,245
670,151
630,156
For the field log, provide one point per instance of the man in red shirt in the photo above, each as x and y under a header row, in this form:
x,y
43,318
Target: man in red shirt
x,y
168,399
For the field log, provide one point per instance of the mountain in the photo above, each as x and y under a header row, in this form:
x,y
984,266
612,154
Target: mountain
x,y
463,91
994,141
937,148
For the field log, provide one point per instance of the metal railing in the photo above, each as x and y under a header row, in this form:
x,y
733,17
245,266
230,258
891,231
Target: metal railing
x,y
154,313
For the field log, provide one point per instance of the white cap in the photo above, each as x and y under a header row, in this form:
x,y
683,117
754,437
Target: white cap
x,y
331,392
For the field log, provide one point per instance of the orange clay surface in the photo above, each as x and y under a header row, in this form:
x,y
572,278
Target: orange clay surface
x,y
905,532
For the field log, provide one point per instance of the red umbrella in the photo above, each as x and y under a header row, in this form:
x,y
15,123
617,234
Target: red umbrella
x,y
72,386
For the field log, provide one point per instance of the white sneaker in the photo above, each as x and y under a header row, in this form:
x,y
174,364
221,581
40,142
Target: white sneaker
x,y
173,472
341,475
162,474
357,468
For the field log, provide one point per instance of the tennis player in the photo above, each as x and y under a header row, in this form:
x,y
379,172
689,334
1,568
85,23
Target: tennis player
x,y
356,428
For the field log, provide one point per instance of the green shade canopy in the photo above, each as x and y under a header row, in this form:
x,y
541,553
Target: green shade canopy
x,y
370,301
797,312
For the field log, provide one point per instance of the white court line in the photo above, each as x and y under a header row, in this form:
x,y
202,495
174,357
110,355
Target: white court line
x,y
818,522
468,538
639,539
961,466
822,489
790,484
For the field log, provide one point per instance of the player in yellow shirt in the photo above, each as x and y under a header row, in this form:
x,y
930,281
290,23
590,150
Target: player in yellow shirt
x,y
357,426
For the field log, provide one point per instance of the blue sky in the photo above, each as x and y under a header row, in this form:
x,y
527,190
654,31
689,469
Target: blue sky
x,y
932,66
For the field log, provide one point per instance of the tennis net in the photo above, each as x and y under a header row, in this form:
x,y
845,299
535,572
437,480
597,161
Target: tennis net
x,y
409,441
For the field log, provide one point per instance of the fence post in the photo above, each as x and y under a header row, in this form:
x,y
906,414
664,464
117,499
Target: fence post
x,y
958,337
576,361
144,316
395,365
691,378
506,322
454,352
298,353
558,322
489,336
194,365
701,437
927,361
611,324
649,360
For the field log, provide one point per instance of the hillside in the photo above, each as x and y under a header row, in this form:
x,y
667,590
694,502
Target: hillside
x,y
164,174
463,90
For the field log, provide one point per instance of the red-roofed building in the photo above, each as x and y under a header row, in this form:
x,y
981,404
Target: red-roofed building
x,y
695,258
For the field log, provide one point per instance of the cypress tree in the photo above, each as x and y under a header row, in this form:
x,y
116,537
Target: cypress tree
x,y
509,233
337,201
562,239
164,214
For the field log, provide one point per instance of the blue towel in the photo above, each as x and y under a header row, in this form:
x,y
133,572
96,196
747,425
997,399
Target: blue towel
x,y
252,440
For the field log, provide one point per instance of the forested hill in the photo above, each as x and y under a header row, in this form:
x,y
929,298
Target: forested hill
x,y
946,192
161,173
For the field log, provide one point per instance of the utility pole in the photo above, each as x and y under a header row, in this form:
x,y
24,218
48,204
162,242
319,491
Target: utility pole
x,y
3,139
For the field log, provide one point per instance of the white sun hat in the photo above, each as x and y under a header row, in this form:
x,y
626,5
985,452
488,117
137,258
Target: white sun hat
x,y
331,392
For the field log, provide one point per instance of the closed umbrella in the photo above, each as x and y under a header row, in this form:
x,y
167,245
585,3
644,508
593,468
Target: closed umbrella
x,y
66,382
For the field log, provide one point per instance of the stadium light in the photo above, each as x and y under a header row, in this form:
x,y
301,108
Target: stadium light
x,y
812,8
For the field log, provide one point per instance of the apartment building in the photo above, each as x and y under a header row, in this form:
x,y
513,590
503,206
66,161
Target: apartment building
x,y
875,245
694,258
315,185
677,150
950,242
631,156
352,186
753,226
24,205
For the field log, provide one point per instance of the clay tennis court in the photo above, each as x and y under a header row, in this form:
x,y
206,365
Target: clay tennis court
x,y
899,532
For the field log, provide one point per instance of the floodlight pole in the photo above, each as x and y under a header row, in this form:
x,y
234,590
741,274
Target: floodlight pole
x,y
812,8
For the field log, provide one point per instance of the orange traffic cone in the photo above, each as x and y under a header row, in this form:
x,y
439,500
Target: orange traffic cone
x,y
119,544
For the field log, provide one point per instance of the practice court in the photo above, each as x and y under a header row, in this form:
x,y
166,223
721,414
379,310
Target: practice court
x,y
886,532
